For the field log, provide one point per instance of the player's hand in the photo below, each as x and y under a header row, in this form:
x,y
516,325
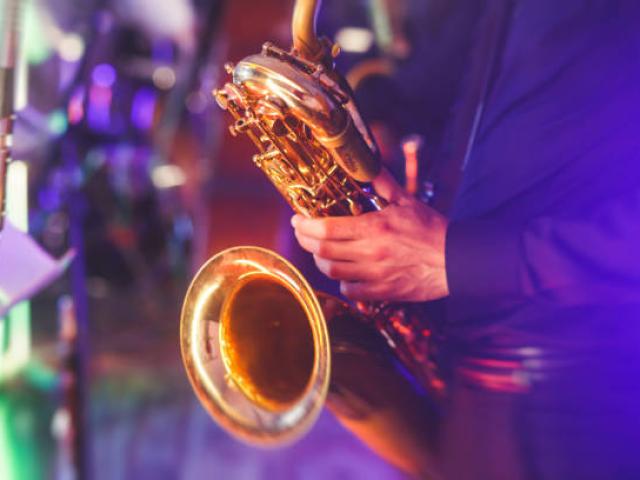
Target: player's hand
x,y
397,254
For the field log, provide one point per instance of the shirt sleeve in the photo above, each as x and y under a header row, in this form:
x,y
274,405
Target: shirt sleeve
x,y
587,259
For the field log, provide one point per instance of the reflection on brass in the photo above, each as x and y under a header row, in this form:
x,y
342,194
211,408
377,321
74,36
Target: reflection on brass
x,y
264,353
267,343
254,335
299,113
255,345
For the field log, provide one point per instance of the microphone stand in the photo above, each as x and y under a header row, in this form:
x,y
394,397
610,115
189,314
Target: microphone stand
x,y
8,52
6,124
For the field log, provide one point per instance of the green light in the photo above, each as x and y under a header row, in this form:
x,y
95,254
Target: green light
x,y
381,24
37,47
17,341
58,122
23,448
34,26
6,465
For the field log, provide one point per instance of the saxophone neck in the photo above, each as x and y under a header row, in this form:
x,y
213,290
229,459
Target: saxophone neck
x,y
303,29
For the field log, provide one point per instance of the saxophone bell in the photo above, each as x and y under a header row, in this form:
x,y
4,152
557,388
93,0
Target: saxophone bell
x,y
255,346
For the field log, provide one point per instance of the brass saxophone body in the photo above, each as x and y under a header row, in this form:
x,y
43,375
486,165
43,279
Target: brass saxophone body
x,y
300,118
262,350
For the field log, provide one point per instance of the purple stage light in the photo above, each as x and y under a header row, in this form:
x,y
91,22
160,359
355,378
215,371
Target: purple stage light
x,y
49,199
99,111
104,75
143,108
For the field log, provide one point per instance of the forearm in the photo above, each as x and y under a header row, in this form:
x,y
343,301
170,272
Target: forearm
x,y
581,260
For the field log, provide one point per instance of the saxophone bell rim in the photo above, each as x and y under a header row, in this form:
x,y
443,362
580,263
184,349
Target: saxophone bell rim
x,y
224,401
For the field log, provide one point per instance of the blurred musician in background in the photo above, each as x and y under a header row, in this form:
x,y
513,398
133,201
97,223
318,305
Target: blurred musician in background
x,y
535,261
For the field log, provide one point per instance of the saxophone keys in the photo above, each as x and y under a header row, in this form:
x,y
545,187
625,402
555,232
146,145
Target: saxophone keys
x,y
354,207
267,47
260,158
335,50
271,108
279,128
222,98
240,126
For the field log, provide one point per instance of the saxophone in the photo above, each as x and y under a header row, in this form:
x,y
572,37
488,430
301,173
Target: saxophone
x,y
263,351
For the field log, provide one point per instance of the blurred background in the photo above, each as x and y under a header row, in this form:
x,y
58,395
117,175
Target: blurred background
x,y
121,155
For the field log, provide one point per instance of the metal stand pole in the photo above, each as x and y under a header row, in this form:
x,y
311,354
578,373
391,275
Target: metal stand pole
x,y
76,211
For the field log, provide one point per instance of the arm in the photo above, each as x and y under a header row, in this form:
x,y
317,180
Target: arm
x,y
408,252
395,254
588,259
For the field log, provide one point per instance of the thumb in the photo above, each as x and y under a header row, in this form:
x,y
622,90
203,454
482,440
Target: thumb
x,y
387,187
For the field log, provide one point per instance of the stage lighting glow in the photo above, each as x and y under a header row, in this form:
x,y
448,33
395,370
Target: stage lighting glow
x,y
196,102
37,47
58,122
164,77
355,39
99,110
410,147
71,47
75,109
168,176
104,75
95,159
143,108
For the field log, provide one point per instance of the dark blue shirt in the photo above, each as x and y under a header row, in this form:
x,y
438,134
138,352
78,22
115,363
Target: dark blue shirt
x,y
546,227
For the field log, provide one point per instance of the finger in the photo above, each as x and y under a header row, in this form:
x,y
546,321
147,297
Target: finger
x,y
364,290
329,228
332,249
387,187
348,271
